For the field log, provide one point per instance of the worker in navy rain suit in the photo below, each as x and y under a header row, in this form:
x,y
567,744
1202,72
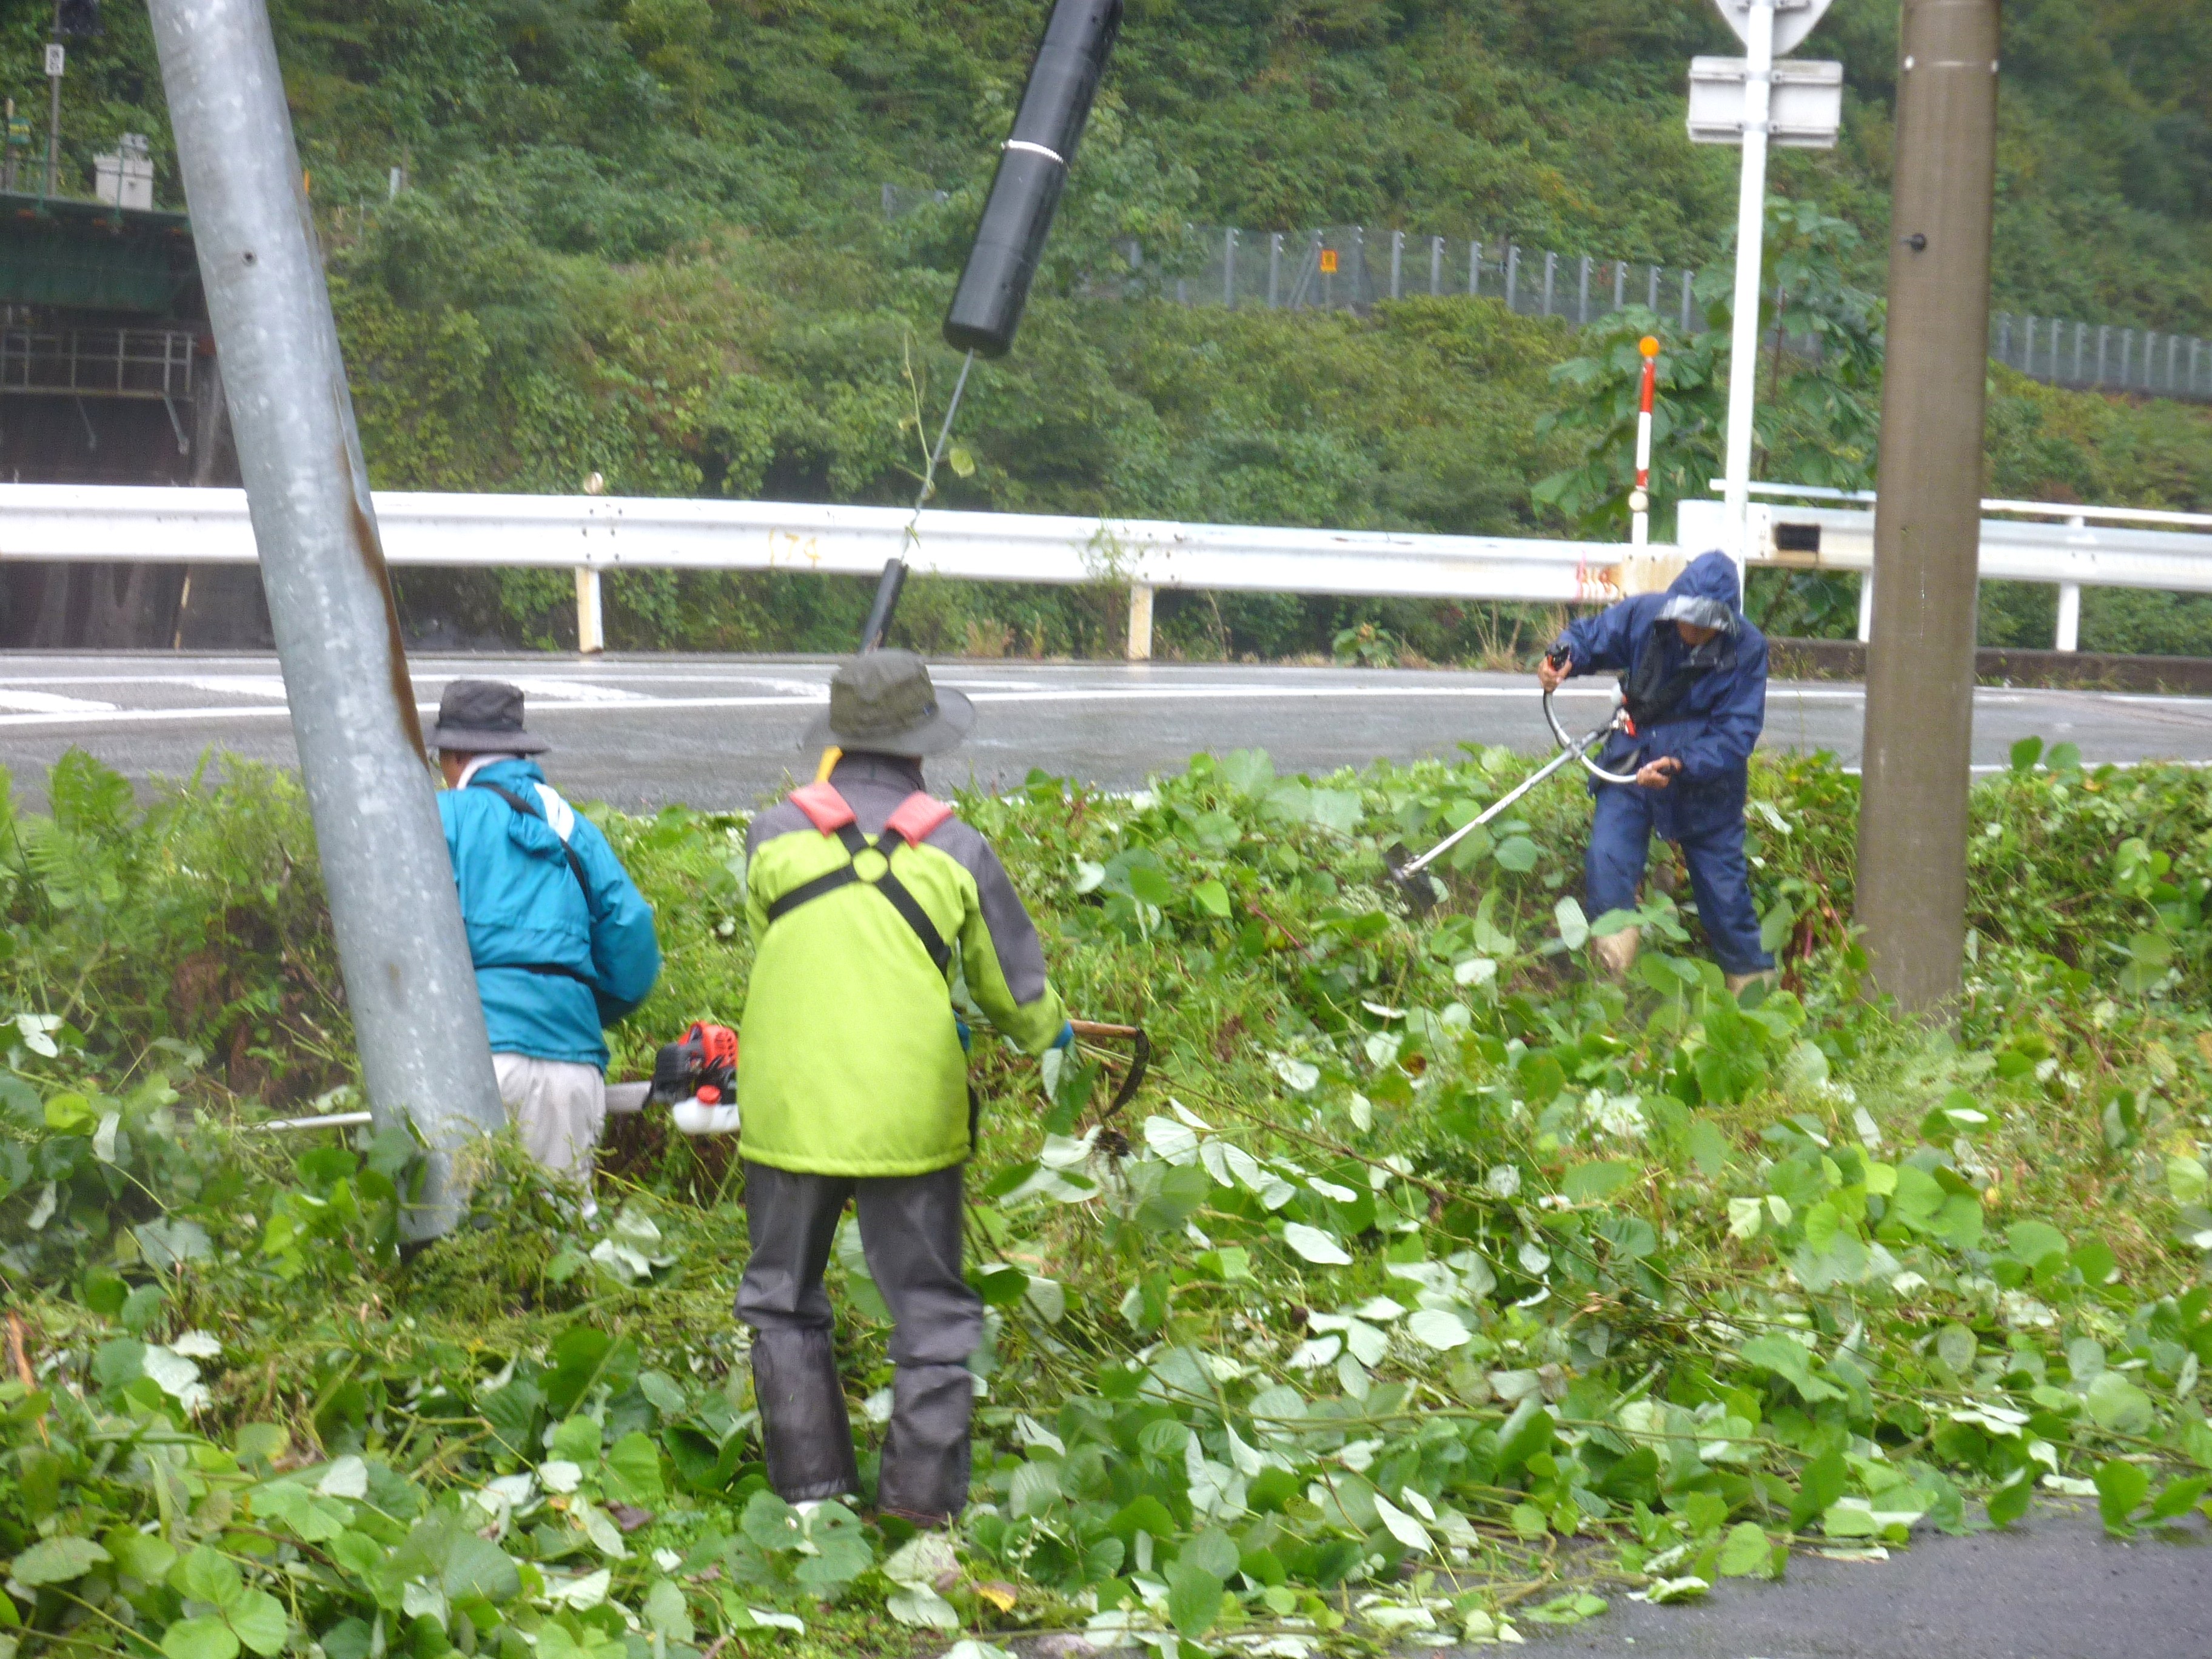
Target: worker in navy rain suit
x,y
562,939
1693,673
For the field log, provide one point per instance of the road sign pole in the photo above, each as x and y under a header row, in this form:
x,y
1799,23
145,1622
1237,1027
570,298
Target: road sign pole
x,y
1750,239
1920,666
1639,499
57,61
417,1021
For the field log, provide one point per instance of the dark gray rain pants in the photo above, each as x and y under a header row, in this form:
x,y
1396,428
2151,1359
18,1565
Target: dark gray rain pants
x,y
910,1231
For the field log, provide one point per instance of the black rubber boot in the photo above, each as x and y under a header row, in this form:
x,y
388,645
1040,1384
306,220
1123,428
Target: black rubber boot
x,y
926,1464
804,1429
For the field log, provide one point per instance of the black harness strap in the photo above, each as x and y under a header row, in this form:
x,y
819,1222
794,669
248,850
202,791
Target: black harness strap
x,y
530,809
1650,698
901,900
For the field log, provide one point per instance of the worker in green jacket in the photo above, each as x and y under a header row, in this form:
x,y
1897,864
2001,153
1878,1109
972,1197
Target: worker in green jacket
x,y
865,898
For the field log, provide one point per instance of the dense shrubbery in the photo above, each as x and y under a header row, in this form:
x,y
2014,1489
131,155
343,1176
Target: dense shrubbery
x,y
1421,1249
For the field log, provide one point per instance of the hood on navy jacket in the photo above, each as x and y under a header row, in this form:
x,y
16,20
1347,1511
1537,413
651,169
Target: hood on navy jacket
x,y
1713,729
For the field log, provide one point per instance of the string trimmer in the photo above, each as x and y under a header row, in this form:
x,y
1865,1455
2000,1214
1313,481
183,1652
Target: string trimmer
x,y
1423,891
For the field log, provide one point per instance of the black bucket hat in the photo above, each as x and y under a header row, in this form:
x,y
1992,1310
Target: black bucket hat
x,y
883,703
483,717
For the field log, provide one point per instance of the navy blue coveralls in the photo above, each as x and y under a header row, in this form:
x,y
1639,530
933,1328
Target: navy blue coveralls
x,y
1712,731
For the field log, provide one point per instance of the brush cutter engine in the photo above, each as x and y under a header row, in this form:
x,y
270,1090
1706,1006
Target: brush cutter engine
x,y
696,1078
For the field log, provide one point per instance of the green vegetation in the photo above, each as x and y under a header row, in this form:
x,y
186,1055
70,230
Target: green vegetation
x,y
1422,1254
645,240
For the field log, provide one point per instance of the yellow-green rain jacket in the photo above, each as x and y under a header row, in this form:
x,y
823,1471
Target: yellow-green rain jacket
x,y
849,1059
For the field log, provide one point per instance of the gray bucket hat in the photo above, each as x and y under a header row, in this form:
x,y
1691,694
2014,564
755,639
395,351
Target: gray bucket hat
x,y
882,702
483,717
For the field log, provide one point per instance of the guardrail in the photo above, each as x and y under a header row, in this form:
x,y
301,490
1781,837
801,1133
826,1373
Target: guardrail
x,y
591,535
2092,547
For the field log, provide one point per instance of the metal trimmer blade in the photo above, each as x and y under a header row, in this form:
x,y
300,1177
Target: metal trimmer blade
x,y
1423,891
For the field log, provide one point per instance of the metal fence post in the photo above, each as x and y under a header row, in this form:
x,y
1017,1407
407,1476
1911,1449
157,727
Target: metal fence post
x,y
1474,273
1686,276
2027,349
1582,291
1551,276
1359,272
2004,338
2194,346
2104,334
1620,283
1436,267
1651,303
1275,269
417,1021
1512,272
1229,267
1397,259
2172,360
1139,648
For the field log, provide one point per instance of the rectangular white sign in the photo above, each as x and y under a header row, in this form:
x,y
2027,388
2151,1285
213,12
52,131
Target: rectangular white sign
x,y
1808,107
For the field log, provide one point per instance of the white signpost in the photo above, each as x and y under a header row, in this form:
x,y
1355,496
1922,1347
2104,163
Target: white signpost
x,y
1795,100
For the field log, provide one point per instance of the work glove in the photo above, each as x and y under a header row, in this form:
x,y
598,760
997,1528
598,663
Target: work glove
x,y
967,1036
1065,1039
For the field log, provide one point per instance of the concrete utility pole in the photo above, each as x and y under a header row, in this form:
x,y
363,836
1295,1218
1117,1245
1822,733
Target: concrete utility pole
x,y
1920,666
419,1025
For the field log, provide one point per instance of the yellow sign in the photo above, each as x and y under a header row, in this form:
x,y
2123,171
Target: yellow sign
x,y
1328,262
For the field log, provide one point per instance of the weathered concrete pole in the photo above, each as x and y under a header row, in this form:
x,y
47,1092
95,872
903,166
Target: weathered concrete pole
x,y
408,978
1920,666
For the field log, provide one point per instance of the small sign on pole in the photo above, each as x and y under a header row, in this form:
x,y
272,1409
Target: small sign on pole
x,y
57,59
1806,110
1328,262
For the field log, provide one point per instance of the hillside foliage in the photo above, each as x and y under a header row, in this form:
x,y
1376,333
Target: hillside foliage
x,y
645,239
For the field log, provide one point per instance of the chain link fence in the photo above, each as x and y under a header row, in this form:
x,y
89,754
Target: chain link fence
x,y
2103,356
1350,268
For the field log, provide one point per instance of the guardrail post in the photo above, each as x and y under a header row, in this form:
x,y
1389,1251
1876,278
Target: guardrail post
x,y
418,1024
591,619
1866,606
2069,605
1139,647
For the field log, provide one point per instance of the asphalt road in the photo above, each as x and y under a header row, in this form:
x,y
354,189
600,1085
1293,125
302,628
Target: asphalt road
x,y
722,732
2052,1588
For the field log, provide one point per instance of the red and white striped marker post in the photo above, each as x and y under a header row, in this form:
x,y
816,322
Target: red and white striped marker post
x,y
1639,499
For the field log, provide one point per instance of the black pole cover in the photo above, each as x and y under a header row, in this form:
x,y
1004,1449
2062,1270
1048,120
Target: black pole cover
x,y
986,308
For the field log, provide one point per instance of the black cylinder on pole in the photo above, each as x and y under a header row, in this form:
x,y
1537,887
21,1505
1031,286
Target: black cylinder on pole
x,y
986,308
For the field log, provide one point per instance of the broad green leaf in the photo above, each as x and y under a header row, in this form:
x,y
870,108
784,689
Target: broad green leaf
x,y
207,1576
1194,1598
664,1610
2114,1403
259,1621
1745,1551
58,1560
633,1470
1516,854
204,1637
1211,897
140,1554
1787,1358
2009,1502
578,1441
2121,1489
1574,926
478,1569
1587,1183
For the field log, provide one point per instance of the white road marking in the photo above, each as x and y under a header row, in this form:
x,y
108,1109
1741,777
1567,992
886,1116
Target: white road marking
x,y
241,685
48,703
572,693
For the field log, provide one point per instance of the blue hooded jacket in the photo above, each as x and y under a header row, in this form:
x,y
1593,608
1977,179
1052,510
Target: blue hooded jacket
x,y
552,971
1714,728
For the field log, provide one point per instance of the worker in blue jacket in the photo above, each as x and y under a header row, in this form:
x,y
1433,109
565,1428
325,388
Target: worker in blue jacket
x,y
1694,674
562,939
